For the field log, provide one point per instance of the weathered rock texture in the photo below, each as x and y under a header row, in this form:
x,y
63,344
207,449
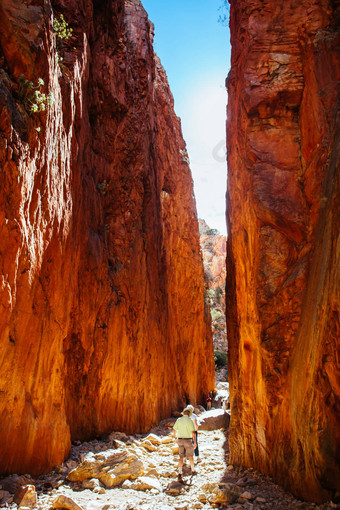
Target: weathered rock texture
x,y
283,248
102,322
213,246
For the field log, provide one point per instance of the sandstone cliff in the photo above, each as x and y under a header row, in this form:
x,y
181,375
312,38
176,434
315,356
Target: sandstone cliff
x,y
213,246
102,321
283,246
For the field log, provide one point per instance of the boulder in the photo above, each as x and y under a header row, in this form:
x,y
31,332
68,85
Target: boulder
x,y
174,488
153,439
93,483
5,496
167,439
111,467
213,420
145,483
66,503
13,482
149,446
230,493
220,494
119,436
26,496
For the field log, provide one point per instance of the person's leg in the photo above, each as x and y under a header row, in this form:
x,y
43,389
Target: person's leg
x,y
190,455
196,452
181,451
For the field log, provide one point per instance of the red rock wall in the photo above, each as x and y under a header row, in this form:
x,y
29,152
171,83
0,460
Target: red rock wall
x,y
283,248
102,321
213,246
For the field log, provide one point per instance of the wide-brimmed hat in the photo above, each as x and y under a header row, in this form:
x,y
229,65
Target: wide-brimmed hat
x,y
188,408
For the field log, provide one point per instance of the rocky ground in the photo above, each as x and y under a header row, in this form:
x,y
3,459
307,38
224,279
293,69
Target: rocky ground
x,y
139,473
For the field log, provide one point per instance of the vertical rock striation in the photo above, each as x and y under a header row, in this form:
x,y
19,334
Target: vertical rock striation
x,y
213,246
283,248
102,322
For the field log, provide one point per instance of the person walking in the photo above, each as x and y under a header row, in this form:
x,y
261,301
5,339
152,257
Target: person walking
x,y
193,416
184,432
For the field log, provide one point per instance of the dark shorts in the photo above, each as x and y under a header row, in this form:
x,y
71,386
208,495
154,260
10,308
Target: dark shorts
x,y
185,448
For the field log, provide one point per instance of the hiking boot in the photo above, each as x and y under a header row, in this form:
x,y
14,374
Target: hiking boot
x,y
179,477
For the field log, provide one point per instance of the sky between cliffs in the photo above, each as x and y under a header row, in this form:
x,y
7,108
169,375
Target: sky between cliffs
x,y
195,52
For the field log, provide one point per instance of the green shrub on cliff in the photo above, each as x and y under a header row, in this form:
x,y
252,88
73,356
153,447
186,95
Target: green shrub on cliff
x,y
32,95
211,232
61,28
220,358
215,314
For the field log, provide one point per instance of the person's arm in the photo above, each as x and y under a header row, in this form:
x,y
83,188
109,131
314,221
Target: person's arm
x,y
194,438
175,433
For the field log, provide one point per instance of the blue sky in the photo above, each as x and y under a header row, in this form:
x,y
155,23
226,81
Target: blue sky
x,y
195,52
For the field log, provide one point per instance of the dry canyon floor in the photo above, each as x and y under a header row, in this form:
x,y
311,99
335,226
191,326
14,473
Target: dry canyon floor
x,y
152,457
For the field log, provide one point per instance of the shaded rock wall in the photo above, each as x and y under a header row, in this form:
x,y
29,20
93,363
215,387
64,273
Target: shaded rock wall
x,y
102,322
283,246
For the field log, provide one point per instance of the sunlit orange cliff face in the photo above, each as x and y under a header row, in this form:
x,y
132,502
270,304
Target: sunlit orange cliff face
x,y
102,323
283,248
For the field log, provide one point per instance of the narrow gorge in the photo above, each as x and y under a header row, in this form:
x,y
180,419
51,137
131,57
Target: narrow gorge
x,y
104,322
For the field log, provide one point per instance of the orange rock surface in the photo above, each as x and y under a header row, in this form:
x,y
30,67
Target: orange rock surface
x,y
283,248
213,246
102,323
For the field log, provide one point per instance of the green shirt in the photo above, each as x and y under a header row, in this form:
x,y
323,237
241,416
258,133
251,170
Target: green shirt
x,y
184,427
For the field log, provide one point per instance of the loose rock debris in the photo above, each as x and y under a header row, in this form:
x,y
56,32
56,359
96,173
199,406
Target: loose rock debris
x,y
140,473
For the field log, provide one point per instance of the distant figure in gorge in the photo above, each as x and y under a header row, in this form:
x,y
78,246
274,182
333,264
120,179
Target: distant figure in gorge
x,y
193,416
208,401
184,432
